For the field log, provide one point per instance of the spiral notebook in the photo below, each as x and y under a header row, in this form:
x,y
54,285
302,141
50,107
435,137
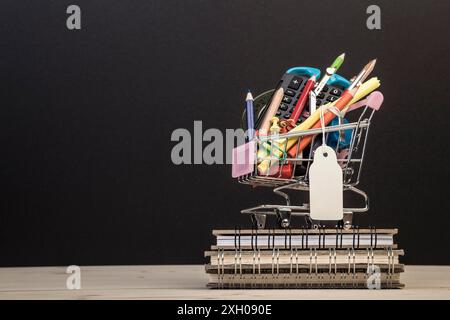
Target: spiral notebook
x,y
305,238
304,258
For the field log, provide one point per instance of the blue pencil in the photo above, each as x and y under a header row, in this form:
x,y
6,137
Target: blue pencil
x,y
250,119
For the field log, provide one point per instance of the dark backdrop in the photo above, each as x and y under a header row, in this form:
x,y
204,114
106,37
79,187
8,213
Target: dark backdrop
x,y
86,118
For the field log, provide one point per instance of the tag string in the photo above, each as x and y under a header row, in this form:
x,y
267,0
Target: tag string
x,y
340,114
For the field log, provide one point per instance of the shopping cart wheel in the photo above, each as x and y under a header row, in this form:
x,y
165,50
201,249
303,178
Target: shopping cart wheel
x,y
347,222
259,221
283,217
315,224
308,222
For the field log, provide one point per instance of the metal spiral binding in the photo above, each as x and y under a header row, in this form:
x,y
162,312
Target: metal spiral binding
x,y
370,263
320,236
356,235
218,266
296,271
312,257
354,263
349,268
291,263
332,261
370,259
275,257
235,267
391,265
254,267
316,269
288,276
237,246
221,267
240,266
256,255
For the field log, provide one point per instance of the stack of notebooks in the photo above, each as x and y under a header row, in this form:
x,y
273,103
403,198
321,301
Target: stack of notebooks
x,y
304,258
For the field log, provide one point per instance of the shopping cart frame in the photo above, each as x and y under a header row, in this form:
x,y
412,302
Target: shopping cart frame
x,y
351,166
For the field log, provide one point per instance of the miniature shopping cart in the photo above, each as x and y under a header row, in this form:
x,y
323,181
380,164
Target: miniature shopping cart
x,y
348,139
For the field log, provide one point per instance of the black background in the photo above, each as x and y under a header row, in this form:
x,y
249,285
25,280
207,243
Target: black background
x,y
86,119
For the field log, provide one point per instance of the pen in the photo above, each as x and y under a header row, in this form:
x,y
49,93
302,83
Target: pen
x,y
250,119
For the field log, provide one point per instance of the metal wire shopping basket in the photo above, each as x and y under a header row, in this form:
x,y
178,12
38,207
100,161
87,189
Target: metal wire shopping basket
x,y
350,157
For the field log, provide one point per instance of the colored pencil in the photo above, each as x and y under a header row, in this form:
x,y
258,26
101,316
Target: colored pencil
x,y
250,116
271,111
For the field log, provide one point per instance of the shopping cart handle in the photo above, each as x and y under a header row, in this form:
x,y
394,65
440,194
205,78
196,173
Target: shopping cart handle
x,y
374,101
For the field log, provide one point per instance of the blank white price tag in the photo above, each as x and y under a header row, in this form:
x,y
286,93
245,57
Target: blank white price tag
x,y
325,186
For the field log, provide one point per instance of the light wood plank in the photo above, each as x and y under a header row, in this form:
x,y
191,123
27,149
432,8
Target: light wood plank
x,y
188,282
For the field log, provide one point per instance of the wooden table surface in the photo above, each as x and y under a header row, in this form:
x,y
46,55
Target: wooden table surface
x,y
188,282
